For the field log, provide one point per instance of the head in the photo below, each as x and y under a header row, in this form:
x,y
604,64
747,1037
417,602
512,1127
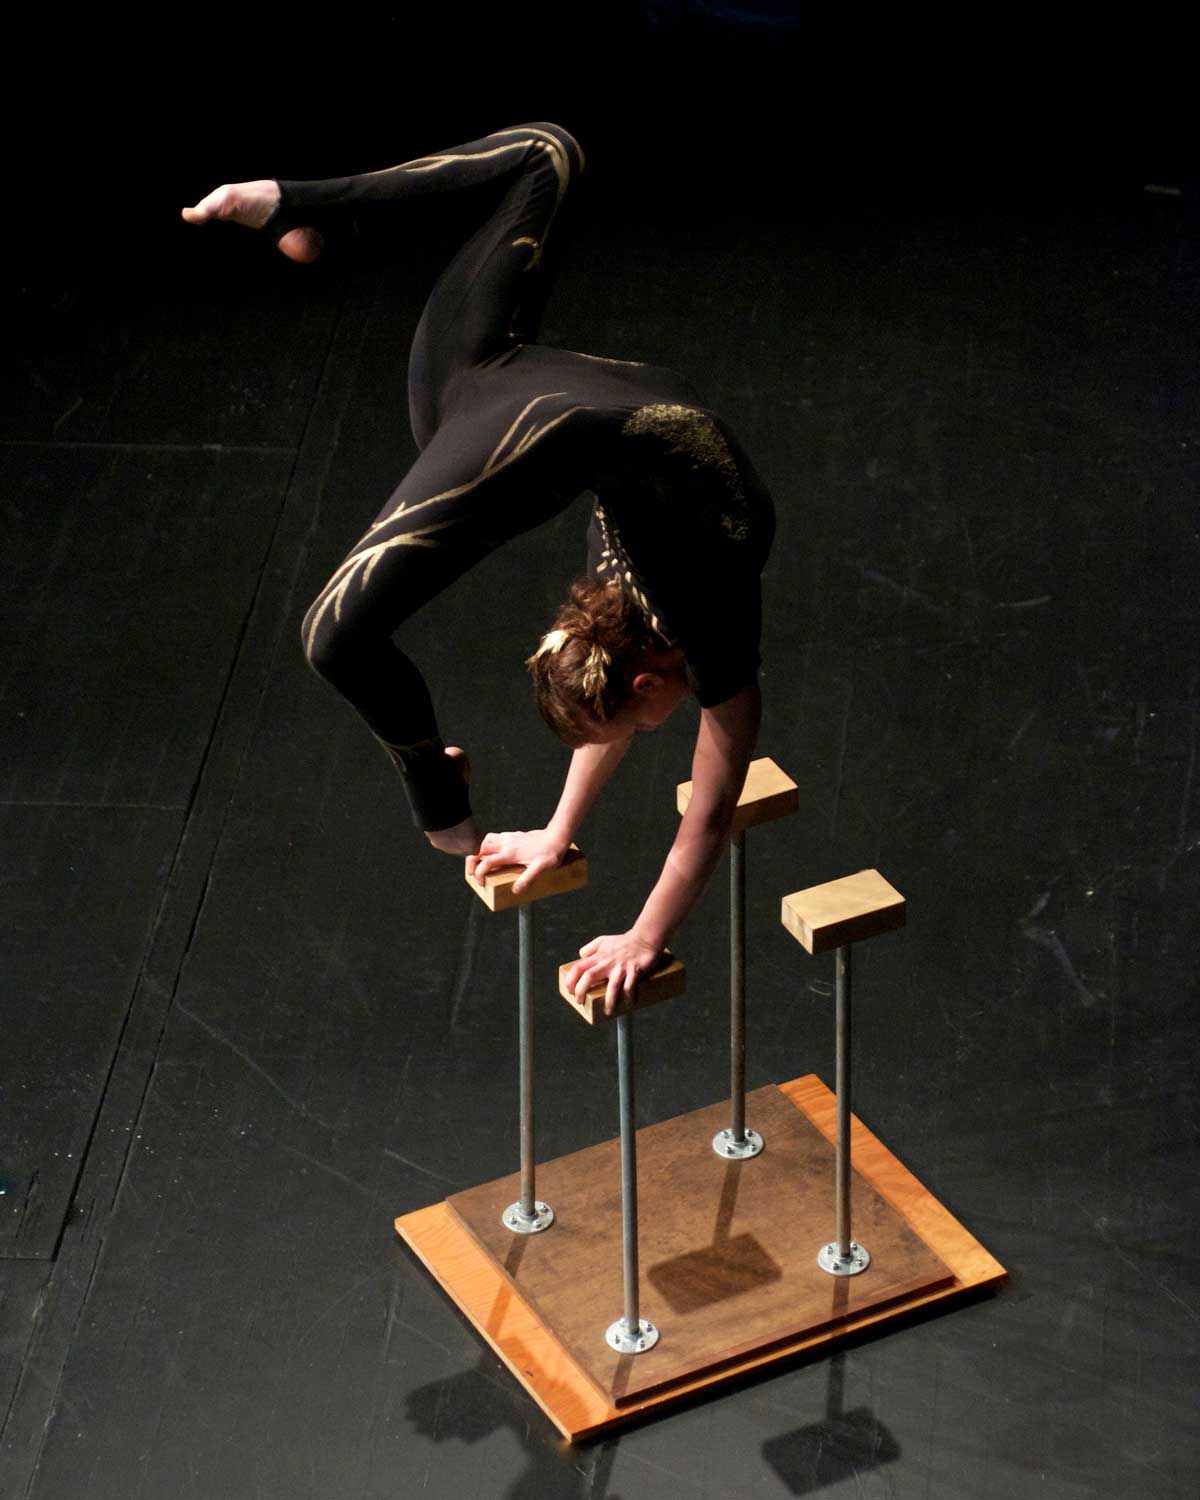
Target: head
x,y
601,672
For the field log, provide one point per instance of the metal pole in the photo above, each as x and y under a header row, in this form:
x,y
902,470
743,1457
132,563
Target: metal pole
x,y
843,1257
842,976
737,1141
527,1215
737,986
629,1203
525,963
630,1334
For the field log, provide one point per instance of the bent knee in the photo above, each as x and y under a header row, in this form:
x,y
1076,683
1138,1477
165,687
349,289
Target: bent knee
x,y
564,143
322,643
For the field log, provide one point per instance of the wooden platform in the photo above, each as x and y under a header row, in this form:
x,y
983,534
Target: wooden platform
x,y
728,1253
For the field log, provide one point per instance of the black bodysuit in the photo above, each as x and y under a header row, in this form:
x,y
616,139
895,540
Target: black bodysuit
x,y
510,432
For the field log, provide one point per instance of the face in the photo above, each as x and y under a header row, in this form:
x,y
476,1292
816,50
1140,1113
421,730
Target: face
x,y
656,694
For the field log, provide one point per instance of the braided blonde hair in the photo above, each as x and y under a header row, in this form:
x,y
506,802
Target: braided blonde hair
x,y
585,662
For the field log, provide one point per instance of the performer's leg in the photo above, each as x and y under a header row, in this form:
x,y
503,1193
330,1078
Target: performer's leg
x,y
476,485
489,297
492,293
347,638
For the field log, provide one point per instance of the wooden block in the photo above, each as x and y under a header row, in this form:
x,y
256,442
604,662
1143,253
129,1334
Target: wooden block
x,y
665,982
490,1296
843,911
768,793
495,889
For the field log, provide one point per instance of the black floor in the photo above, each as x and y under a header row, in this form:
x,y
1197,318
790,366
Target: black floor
x,y
249,1018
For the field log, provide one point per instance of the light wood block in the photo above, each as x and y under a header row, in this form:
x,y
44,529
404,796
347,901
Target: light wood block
x,y
486,1293
663,983
768,793
843,911
495,889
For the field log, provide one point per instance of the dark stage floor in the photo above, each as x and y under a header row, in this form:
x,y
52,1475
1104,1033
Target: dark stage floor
x,y
249,1018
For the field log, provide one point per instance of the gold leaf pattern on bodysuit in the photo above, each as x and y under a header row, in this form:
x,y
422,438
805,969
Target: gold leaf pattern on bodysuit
x,y
692,434
603,359
361,562
527,136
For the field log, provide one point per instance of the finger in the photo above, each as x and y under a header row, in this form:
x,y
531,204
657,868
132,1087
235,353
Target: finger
x,y
613,991
588,948
581,968
532,870
584,979
495,859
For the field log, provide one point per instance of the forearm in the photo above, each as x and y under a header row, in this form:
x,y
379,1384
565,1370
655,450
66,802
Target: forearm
x,y
591,769
724,745
693,857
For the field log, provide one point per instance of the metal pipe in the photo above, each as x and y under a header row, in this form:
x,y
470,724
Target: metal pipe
x,y
841,1256
737,1141
528,1151
843,1101
526,1215
631,1333
737,987
629,1203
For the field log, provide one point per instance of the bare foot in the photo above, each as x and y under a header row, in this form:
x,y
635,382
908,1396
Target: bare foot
x,y
252,204
463,838
249,203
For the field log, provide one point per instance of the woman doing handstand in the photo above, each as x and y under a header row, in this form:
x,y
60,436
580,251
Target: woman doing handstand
x,y
510,432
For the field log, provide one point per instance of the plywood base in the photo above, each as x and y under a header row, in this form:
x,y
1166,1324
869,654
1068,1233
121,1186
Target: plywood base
x,y
529,1333
728,1249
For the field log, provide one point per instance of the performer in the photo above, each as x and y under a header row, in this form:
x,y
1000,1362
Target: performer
x,y
510,432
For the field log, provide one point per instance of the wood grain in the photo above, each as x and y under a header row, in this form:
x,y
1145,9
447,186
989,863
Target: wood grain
x,y
768,793
569,1398
663,983
728,1249
495,890
843,911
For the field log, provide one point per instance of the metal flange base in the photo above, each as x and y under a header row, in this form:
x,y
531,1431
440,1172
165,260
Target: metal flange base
x,y
618,1337
515,1218
837,1265
733,1150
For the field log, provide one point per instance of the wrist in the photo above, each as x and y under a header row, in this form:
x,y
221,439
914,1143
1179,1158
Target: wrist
x,y
559,834
653,938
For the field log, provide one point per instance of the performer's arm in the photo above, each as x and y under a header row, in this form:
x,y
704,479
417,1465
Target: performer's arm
x,y
542,848
724,746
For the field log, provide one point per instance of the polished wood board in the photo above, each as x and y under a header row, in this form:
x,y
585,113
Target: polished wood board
x,y
487,1293
728,1249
